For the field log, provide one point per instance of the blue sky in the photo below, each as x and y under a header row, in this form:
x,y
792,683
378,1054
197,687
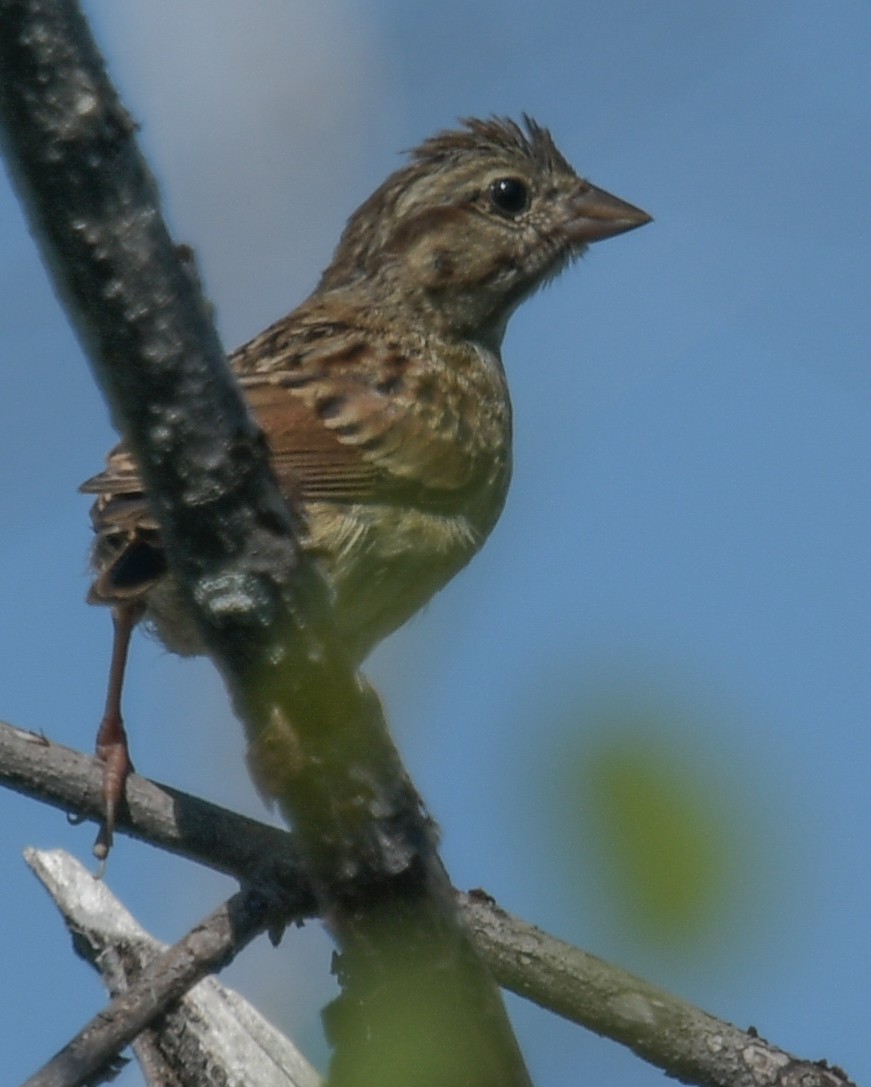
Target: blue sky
x,y
683,567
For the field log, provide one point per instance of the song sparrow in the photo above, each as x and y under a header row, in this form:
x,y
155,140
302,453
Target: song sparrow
x,y
382,397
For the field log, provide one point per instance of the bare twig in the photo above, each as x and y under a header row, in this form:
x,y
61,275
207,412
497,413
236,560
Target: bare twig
x,y
683,1040
162,816
209,1037
666,1031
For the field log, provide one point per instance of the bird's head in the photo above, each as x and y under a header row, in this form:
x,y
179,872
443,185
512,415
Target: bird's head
x,y
476,221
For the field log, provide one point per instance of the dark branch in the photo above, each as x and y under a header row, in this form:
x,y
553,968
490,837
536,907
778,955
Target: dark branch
x,y
416,998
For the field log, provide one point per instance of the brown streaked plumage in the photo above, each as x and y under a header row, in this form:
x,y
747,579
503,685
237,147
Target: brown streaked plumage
x,y
382,397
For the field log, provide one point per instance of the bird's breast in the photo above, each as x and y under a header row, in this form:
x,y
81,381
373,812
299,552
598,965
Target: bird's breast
x,y
384,562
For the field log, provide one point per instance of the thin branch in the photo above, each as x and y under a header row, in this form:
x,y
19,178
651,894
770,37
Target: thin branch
x,y
664,1030
160,815
210,1036
683,1040
417,1003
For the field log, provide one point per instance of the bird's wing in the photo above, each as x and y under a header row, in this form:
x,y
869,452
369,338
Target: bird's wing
x,y
340,444
339,439
352,413
349,416
349,449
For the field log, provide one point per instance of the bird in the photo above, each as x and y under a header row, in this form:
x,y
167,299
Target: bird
x,y
382,397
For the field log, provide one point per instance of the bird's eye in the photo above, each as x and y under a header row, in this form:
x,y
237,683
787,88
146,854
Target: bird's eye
x,y
510,195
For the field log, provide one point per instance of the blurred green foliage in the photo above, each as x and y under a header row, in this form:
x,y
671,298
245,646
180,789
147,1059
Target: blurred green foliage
x,y
653,825
667,847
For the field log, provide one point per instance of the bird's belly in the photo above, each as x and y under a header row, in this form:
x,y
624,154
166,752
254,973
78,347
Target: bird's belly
x,y
382,564
385,562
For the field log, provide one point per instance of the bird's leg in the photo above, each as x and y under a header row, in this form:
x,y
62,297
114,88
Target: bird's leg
x,y
112,747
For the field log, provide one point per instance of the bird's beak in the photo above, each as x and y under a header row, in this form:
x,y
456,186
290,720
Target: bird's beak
x,y
596,214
